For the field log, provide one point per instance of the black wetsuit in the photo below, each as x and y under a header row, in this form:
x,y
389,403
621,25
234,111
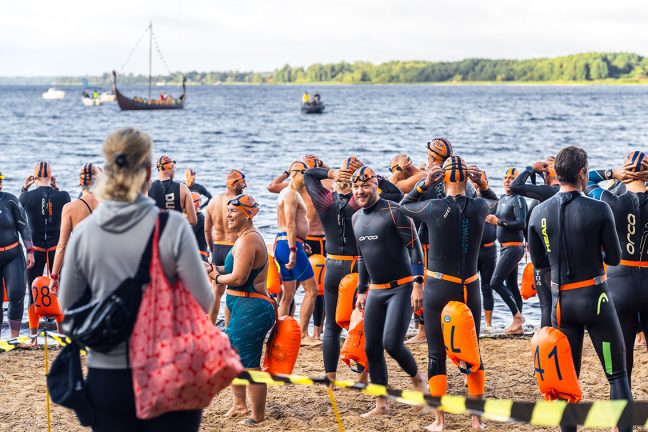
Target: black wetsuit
x,y
628,282
12,261
389,250
574,235
202,190
166,194
335,211
199,232
455,227
486,264
538,193
44,207
512,215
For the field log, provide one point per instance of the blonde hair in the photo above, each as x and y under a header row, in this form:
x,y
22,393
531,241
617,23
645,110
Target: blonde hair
x,y
127,154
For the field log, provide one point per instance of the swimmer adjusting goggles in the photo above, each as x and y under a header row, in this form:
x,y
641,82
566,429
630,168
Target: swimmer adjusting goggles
x,y
363,174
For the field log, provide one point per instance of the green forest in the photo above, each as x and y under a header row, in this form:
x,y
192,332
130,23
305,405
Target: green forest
x,y
589,67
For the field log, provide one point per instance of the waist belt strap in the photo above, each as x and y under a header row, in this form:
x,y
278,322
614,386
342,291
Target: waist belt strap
x,y
507,244
11,246
392,284
236,293
453,279
40,249
634,263
487,245
598,280
316,237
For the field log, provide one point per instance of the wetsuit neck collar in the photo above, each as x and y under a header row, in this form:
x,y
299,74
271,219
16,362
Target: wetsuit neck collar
x,y
372,207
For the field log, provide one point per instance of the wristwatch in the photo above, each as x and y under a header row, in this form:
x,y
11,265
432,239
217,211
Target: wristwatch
x,y
608,174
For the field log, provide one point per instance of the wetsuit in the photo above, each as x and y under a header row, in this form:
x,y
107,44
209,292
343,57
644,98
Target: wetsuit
x,y
251,317
317,244
574,235
538,193
390,255
628,282
512,215
199,232
166,194
12,261
455,227
486,264
202,190
335,211
43,206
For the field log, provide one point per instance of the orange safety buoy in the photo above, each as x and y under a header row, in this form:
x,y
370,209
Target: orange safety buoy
x,y
353,351
346,299
460,336
528,287
318,263
45,302
283,346
554,366
273,280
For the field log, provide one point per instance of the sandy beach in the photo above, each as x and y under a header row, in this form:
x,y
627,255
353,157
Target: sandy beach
x,y
509,369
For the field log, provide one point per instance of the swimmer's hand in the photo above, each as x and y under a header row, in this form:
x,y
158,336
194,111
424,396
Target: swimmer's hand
x,y
307,249
361,300
29,181
417,296
643,174
30,260
292,260
475,174
53,183
492,219
435,174
540,166
54,286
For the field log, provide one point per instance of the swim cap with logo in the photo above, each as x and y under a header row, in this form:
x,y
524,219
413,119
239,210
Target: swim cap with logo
x,y
87,175
455,170
311,161
245,204
234,176
43,169
511,172
440,148
349,163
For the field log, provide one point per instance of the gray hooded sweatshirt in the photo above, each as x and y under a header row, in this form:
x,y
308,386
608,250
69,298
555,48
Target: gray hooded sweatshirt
x,y
106,248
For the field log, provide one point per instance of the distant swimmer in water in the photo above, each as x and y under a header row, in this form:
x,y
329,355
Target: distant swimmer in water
x,y
575,235
73,213
628,282
289,252
455,226
44,207
190,179
510,219
169,194
217,233
390,286
13,229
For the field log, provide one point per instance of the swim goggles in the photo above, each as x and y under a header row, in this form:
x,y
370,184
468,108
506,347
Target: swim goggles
x,y
363,174
245,204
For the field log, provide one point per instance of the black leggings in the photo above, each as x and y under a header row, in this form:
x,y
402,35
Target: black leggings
x,y
318,246
43,262
335,271
111,393
506,270
386,319
486,267
543,288
12,273
592,308
437,294
628,288
318,311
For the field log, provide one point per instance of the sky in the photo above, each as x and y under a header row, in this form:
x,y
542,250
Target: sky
x,y
74,37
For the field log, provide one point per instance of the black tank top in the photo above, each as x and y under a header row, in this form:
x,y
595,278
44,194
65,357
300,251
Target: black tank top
x,y
166,194
44,206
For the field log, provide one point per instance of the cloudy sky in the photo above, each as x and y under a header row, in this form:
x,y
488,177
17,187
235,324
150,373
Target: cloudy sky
x,y
74,37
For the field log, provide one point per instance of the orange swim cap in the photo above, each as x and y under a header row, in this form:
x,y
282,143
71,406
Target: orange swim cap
x,y
245,204
511,172
348,163
364,174
234,176
87,175
311,161
395,162
163,162
455,170
43,169
440,148
635,158
551,170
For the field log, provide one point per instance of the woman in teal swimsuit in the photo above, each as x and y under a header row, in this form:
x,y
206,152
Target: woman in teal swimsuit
x,y
252,312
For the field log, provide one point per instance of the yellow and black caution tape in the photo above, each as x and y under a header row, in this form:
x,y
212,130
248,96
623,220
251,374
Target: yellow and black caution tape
x,y
595,414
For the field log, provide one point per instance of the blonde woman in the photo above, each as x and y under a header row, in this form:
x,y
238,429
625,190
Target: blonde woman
x,y
105,250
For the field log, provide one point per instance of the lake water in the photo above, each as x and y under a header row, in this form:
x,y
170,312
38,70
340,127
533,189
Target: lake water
x,y
260,130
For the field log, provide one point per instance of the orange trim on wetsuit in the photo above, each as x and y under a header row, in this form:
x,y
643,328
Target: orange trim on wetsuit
x,y
392,284
249,294
454,279
47,251
223,243
487,245
11,246
581,284
510,244
319,239
204,253
630,263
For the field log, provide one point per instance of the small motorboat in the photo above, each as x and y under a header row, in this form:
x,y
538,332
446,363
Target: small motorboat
x,y
90,101
54,94
313,108
107,97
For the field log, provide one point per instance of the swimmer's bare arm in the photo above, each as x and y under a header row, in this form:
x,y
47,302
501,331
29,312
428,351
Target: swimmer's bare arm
x,y
209,222
408,184
279,183
289,205
187,204
64,236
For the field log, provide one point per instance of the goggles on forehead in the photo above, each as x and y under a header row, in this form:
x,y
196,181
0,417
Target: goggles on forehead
x,y
363,174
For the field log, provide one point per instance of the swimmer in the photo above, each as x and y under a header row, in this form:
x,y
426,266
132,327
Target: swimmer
x,y
455,227
190,180
628,282
217,233
13,228
390,265
169,194
574,235
404,174
252,312
294,265
199,228
510,220
44,208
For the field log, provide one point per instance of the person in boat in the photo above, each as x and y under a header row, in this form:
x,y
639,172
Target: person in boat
x,y
306,98
316,98
95,94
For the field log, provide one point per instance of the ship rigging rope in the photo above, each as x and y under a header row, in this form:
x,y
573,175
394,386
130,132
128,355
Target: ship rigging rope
x,y
121,69
159,52
157,49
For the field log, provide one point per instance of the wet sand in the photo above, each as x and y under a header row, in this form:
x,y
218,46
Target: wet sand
x,y
509,369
